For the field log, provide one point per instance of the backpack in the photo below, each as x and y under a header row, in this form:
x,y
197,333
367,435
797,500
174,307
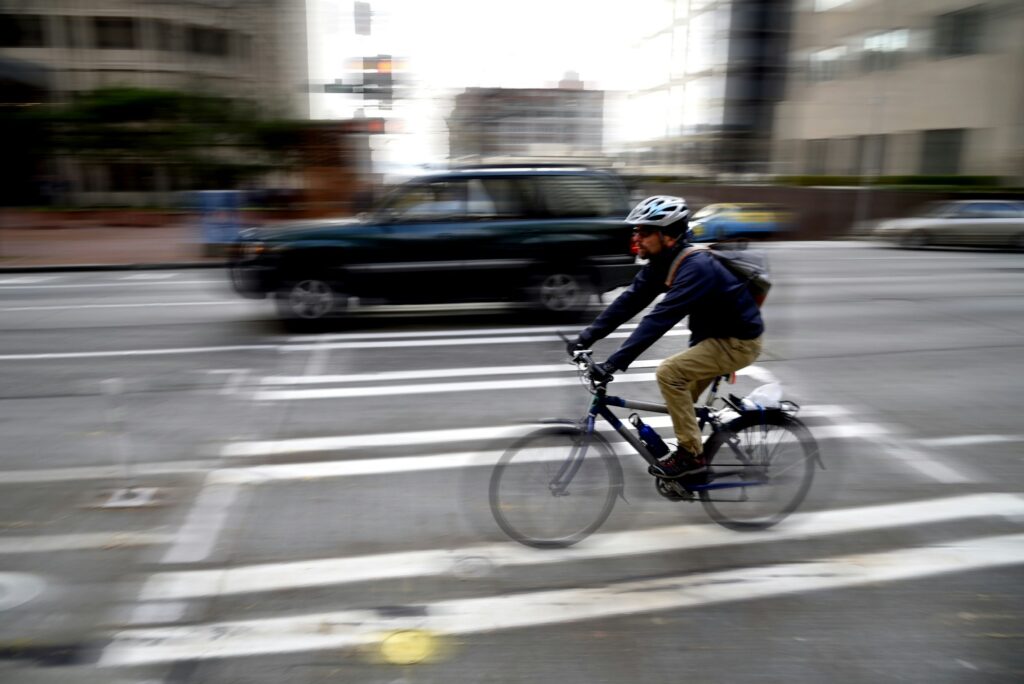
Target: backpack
x,y
750,266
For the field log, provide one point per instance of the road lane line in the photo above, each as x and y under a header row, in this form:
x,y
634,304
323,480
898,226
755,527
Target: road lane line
x,y
26,280
920,462
306,347
74,542
353,628
755,372
195,540
147,305
137,352
969,440
105,472
166,586
149,276
298,445
473,332
430,388
79,286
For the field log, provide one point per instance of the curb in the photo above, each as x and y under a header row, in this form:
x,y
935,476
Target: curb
x,y
112,267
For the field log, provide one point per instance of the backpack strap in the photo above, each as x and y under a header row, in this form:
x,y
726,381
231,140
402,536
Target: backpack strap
x,y
678,261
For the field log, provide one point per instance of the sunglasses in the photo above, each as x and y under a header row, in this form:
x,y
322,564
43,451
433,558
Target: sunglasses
x,y
644,232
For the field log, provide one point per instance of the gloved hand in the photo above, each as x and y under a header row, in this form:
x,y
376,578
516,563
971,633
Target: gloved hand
x,y
574,346
603,372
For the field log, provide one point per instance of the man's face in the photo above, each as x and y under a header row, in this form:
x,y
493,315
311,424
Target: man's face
x,y
650,242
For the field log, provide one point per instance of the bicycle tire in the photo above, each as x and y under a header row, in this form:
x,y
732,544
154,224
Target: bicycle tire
x,y
521,498
783,455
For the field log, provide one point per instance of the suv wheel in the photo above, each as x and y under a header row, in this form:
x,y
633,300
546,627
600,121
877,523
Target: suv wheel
x,y
561,293
309,299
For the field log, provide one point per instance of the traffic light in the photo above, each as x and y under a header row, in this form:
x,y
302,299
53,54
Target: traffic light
x,y
378,80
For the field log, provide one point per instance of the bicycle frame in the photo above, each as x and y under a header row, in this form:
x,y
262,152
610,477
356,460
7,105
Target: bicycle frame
x,y
601,407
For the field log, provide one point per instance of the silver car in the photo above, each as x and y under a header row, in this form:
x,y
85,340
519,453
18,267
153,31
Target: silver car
x,y
980,223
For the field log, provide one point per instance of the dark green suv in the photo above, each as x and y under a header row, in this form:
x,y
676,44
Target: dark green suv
x,y
550,237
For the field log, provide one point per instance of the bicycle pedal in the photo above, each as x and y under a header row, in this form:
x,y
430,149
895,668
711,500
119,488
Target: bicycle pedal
x,y
672,490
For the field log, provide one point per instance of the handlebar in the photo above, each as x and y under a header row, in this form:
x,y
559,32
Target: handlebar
x,y
584,361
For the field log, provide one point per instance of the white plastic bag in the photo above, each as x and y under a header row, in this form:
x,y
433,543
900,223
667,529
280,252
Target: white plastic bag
x,y
765,396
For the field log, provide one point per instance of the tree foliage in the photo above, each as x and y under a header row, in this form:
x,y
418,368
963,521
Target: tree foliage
x,y
213,141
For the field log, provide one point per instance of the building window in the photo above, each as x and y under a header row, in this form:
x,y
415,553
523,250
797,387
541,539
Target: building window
x,y
115,33
885,50
71,35
827,64
826,5
817,157
941,151
208,41
959,33
166,36
21,30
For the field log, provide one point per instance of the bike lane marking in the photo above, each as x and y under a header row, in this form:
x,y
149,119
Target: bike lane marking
x,y
301,574
368,627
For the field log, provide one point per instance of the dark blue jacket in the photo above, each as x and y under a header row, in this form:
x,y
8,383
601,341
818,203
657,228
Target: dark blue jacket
x,y
717,302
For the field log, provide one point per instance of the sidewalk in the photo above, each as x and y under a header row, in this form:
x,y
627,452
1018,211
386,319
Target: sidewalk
x,y
102,246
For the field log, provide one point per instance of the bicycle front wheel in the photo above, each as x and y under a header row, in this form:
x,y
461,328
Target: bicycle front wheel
x,y
761,467
554,487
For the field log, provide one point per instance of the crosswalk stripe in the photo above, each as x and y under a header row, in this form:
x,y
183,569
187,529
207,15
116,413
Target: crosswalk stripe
x,y
337,571
363,627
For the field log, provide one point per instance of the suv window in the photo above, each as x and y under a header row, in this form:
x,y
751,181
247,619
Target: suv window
x,y
429,202
990,210
494,198
578,196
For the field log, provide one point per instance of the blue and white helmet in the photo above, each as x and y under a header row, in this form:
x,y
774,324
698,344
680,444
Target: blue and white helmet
x,y
661,211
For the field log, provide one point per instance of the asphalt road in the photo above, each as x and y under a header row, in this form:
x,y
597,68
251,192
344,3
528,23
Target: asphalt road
x,y
190,493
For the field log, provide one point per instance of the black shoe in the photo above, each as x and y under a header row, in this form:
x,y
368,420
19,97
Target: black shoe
x,y
681,464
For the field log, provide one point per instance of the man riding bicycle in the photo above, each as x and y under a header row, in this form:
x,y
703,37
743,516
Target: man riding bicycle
x,y
725,323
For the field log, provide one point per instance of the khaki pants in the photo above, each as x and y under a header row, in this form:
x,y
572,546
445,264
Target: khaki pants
x,y
683,377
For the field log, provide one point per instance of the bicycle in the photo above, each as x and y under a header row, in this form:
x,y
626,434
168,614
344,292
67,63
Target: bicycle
x,y
557,485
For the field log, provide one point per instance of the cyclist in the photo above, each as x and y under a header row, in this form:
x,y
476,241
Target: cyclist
x,y
725,324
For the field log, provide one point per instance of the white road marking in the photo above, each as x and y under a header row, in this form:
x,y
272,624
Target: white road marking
x,y
369,344
473,332
756,372
438,388
74,542
104,472
166,586
969,440
919,461
79,286
197,537
298,445
352,628
137,352
150,276
17,588
26,280
146,305
431,388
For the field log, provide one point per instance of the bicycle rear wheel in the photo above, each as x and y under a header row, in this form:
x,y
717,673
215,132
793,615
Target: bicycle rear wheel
x,y
554,487
761,469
